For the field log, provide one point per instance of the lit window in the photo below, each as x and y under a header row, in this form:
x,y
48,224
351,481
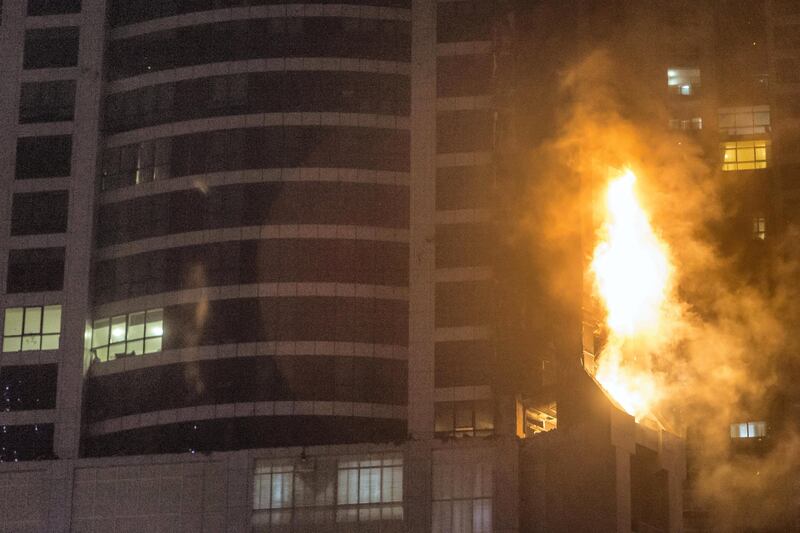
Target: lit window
x,y
462,496
273,486
126,335
759,228
469,418
745,155
32,328
368,481
323,490
748,430
695,123
744,120
683,81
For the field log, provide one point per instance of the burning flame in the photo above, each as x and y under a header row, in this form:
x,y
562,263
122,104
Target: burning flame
x,y
632,274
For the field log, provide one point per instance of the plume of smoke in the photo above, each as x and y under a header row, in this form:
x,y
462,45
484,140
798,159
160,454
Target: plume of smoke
x,y
718,355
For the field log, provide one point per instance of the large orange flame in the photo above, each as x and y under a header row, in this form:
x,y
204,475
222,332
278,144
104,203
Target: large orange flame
x,y
632,273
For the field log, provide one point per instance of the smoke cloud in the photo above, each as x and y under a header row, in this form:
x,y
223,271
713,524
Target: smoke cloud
x,y
722,351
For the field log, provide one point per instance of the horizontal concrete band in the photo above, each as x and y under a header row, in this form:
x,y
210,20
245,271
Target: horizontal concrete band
x,y
299,10
287,231
247,66
249,349
258,120
244,410
255,290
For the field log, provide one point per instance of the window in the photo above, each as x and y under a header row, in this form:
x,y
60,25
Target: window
x,y
39,213
47,101
43,157
363,484
748,430
462,494
745,155
26,443
744,120
28,329
311,491
683,81
759,228
35,270
135,164
273,486
695,123
29,387
128,335
53,7
51,48
465,418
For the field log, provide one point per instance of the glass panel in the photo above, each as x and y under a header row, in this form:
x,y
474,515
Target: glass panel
x,y
12,344
33,320
152,345
118,328
464,416
136,325
31,343
52,319
135,347
115,350
484,419
444,418
50,342
100,333
13,321
102,353
155,323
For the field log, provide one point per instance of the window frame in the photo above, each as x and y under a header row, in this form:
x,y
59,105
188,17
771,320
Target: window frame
x,y
117,341
36,334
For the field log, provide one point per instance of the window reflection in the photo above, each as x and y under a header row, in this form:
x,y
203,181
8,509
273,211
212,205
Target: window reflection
x,y
127,335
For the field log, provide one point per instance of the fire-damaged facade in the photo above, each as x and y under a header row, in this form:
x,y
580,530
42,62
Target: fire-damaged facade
x,y
293,267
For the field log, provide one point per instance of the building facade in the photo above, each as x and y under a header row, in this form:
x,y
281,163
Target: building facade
x,y
251,260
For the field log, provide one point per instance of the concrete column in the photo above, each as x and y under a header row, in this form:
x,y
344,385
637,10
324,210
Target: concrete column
x,y
76,308
421,327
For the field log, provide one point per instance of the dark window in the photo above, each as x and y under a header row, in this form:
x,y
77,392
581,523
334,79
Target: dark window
x,y
342,203
785,7
473,418
463,187
251,148
463,245
39,212
788,70
53,7
26,443
51,48
463,363
25,388
43,157
247,432
463,303
787,37
47,101
464,75
338,319
34,270
354,92
464,131
131,11
269,260
299,377
260,38
464,21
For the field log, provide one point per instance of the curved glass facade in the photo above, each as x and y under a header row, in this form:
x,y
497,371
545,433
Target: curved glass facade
x,y
278,285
